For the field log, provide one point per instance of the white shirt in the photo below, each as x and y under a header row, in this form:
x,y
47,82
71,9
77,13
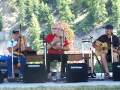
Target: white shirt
x,y
11,43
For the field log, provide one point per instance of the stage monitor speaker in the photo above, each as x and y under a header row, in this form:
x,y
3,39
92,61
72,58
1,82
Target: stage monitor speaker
x,y
116,71
34,73
77,72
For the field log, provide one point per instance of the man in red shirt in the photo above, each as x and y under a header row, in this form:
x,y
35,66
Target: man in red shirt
x,y
57,43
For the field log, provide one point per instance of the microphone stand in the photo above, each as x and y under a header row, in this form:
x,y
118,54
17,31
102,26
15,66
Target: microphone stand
x,y
13,76
111,49
45,55
91,59
61,57
45,51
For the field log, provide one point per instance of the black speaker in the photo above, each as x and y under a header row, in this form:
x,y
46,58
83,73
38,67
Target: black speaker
x,y
3,71
77,72
34,73
1,76
116,71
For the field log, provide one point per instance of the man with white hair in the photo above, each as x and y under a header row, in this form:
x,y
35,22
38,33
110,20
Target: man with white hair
x,y
57,43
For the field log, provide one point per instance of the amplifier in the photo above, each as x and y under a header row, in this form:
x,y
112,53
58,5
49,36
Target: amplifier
x,y
3,71
116,71
77,72
34,73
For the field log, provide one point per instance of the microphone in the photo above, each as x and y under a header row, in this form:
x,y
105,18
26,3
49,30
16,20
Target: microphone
x,y
62,41
43,37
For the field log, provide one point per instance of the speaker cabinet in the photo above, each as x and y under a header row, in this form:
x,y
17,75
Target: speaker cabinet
x,y
116,71
77,72
34,73
3,71
1,77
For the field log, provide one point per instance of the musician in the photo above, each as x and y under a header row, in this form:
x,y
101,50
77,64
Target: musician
x,y
111,40
15,46
57,43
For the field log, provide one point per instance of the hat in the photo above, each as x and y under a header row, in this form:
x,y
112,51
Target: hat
x,y
15,31
109,27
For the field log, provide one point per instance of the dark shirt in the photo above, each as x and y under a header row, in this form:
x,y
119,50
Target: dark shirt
x,y
115,40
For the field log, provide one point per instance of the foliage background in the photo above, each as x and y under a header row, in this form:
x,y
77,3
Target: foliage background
x,y
83,16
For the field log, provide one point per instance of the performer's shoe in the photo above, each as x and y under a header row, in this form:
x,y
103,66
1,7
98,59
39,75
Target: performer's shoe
x,y
107,76
5,80
11,80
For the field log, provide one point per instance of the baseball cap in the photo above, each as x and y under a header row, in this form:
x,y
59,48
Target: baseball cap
x,y
109,26
15,31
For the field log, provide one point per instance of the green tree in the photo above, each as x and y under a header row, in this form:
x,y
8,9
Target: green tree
x,y
34,30
115,15
1,24
97,10
65,12
13,5
96,14
28,11
21,16
45,16
40,10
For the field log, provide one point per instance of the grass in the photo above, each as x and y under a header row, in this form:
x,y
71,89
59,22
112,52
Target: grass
x,y
98,68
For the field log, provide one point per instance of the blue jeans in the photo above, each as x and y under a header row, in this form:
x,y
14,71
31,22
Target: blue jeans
x,y
16,59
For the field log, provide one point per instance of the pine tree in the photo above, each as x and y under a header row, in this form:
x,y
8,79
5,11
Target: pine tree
x,y
45,16
115,16
34,30
29,10
65,12
1,25
22,9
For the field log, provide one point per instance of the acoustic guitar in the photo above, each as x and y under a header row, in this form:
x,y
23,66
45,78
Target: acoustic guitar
x,y
101,47
27,51
18,53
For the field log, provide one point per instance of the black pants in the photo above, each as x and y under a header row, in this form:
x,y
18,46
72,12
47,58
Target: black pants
x,y
60,58
108,56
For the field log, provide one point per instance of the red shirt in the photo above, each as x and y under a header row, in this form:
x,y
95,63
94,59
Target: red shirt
x,y
49,38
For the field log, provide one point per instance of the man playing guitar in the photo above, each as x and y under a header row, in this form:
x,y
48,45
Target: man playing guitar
x,y
103,48
15,47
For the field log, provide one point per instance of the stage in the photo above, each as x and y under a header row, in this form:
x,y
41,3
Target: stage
x,y
91,85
